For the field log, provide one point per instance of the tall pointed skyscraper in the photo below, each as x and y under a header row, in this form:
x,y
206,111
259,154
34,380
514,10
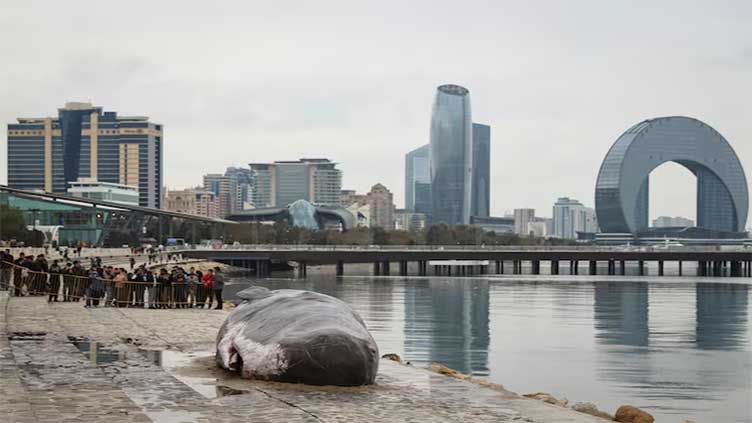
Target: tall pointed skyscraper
x,y
451,154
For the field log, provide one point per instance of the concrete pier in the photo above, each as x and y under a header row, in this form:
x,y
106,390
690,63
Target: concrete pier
x,y
121,376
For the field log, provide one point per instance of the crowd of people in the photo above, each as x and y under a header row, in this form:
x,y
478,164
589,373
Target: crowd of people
x,y
109,285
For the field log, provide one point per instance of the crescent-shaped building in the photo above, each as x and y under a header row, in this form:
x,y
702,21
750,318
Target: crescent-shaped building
x,y
622,189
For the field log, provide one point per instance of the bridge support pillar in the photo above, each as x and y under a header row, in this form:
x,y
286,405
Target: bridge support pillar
x,y
302,269
735,269
622,268
593,268
385,267
681,270
376,268
554,267
263,269
660,267
700,268
421,268
611,267
499,267
403,268
536,267
517,267
340,268
641,265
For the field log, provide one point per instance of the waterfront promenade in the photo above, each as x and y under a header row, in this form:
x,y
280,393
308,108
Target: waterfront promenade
x,y
45,377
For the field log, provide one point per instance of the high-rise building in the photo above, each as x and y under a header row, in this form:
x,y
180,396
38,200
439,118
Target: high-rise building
x,y
418,180
84,142
242,180
570,217
224,189
522,220
381,204
195,201
451,155
409,221
481,189
284,182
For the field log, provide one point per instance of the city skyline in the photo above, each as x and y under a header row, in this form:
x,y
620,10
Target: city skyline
x,y
554,105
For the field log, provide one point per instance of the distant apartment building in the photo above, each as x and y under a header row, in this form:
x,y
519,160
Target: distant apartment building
x,y
243,181
83,141
522,220
673,222
284,182
348,197
570,217
193,201
381,203
409,221
223,188
104,191
540,228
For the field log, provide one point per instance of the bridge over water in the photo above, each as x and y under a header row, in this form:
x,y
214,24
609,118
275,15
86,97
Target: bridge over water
x,y
467,260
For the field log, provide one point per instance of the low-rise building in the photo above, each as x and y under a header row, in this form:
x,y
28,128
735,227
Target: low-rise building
x,y
104,191
195,201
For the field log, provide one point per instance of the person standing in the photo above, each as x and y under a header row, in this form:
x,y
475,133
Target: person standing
x,y
219,285
96,288
120,295
55,275
151,282
208,282
165,288
133,263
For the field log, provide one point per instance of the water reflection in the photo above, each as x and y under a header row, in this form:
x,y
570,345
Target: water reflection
x,y
446,321
679,348
621,313
721,320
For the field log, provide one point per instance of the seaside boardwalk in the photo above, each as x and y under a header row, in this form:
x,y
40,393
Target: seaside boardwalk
x,y
62,362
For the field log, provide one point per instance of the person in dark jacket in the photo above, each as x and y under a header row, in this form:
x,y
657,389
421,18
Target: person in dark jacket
x,y
219,285
95,291
54,281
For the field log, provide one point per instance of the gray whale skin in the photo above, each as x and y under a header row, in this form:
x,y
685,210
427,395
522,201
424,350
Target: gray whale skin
x,y
289,335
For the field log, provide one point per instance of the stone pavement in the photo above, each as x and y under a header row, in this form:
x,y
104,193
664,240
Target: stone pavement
x,y
120,376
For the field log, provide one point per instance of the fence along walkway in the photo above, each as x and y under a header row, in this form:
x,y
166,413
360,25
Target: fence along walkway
x,y
22,281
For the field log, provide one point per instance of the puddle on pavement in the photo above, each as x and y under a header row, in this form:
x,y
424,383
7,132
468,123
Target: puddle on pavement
x,y
170,360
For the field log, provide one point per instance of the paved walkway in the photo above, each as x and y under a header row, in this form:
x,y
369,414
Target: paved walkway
x,y
45,377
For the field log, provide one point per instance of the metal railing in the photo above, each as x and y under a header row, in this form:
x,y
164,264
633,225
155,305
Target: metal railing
x,y
21,281
317,247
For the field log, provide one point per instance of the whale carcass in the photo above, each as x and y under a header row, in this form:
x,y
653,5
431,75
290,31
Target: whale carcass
x,y
297,336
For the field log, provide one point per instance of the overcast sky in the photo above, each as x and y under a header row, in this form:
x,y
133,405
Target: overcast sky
x,y
253,81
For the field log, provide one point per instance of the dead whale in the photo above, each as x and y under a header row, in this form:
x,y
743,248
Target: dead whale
x,y
289,335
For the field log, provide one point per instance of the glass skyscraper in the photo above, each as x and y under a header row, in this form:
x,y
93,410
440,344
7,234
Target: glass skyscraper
x,y
481,170
418,180
451,155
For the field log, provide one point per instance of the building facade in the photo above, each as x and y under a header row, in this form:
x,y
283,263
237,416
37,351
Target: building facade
x,y
83,141
284,182
481,188
224,189
243,181
622,189
198,202
381,204
673,222
451,155
418,180
522,220
570,217
104,191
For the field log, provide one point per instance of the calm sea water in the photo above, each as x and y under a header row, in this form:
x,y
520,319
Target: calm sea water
x,y
679,348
